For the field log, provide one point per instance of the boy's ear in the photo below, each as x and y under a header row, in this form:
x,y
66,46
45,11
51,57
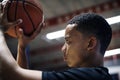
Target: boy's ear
x,y
92,43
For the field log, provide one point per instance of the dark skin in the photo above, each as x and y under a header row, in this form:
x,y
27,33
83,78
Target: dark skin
x,y
79,51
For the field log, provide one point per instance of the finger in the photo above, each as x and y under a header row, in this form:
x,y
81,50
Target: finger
x,y
5,5
42,24
38,30
4,2
0,6
20,33
15,23
1,11
4,9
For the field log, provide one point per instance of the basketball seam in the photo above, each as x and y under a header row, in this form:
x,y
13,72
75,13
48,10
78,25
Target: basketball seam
x,y
16,17
15,14
33,26
31,4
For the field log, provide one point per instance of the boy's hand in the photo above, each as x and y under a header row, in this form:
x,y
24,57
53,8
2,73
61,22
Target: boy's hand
x,y
24,40
4,23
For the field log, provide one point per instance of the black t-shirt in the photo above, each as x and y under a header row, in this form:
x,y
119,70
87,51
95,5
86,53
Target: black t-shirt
x,y
97,73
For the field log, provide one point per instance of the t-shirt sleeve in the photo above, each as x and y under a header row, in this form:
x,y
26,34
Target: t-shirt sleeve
x,y
66,75
75,74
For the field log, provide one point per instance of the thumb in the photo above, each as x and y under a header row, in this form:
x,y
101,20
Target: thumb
x,y
20,33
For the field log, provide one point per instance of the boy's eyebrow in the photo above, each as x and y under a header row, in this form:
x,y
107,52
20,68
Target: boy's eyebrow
x,y
67,37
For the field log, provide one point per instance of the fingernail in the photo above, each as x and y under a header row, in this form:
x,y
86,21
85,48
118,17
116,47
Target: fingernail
x,y
19,21
20,29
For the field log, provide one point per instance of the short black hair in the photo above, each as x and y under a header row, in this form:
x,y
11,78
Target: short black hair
x,y
91,23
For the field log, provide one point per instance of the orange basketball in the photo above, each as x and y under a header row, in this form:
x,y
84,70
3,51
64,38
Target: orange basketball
x,y
29,11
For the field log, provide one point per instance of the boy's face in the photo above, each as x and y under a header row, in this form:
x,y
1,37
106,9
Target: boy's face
x,y
75,47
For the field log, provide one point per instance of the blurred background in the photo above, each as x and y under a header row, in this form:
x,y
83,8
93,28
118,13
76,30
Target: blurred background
x,y
45,53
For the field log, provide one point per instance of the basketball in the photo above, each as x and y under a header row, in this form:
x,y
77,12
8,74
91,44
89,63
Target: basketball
x,y
31,13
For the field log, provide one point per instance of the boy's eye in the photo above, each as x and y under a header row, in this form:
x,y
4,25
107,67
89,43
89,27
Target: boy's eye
x,y
68,42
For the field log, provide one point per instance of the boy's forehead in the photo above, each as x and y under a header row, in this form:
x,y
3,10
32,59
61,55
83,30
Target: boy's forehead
x,y
71,30
70,27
